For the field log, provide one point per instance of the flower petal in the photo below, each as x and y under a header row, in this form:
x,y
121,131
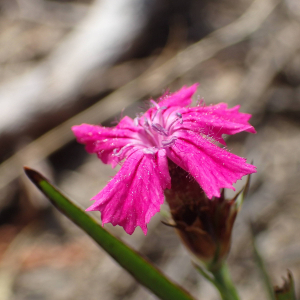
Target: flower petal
x,y
213,168
104,141
215,120
182,98
135,194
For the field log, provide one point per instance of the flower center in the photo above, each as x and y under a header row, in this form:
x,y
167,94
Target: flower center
x,y
158,131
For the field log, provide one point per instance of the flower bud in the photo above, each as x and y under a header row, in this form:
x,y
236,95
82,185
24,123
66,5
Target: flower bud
x,y
203,225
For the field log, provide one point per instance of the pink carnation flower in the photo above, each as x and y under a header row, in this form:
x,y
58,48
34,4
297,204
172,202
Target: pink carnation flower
x,y
171,129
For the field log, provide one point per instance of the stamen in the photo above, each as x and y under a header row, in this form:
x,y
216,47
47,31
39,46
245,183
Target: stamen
x,y
146,123
170,142
200,102
159,129
136,121
179,115
155,104
115,153
158,110
150,150
180,119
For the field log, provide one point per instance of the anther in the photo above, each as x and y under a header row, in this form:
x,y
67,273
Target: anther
x,y
159,129
136,121
115,153
179,115
149,150
170,142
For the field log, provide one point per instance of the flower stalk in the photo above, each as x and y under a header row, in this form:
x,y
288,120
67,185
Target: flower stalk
x,y
221,279
205,227
224,283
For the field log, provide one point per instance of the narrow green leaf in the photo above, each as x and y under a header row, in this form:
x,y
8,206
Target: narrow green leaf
x,y
287,291
263,271
140,268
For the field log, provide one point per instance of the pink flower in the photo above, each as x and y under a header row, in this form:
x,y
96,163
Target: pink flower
x,y
171,129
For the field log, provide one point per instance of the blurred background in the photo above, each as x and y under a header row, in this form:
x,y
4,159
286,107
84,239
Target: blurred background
x,y
65,62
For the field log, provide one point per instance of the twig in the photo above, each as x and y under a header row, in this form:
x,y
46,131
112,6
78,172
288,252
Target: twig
x,y
56,14
97,41
267,64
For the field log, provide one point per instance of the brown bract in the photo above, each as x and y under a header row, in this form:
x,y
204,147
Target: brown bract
x,y
203,225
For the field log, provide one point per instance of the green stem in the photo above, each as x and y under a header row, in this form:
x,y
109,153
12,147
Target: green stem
x,y
223,283
221,279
